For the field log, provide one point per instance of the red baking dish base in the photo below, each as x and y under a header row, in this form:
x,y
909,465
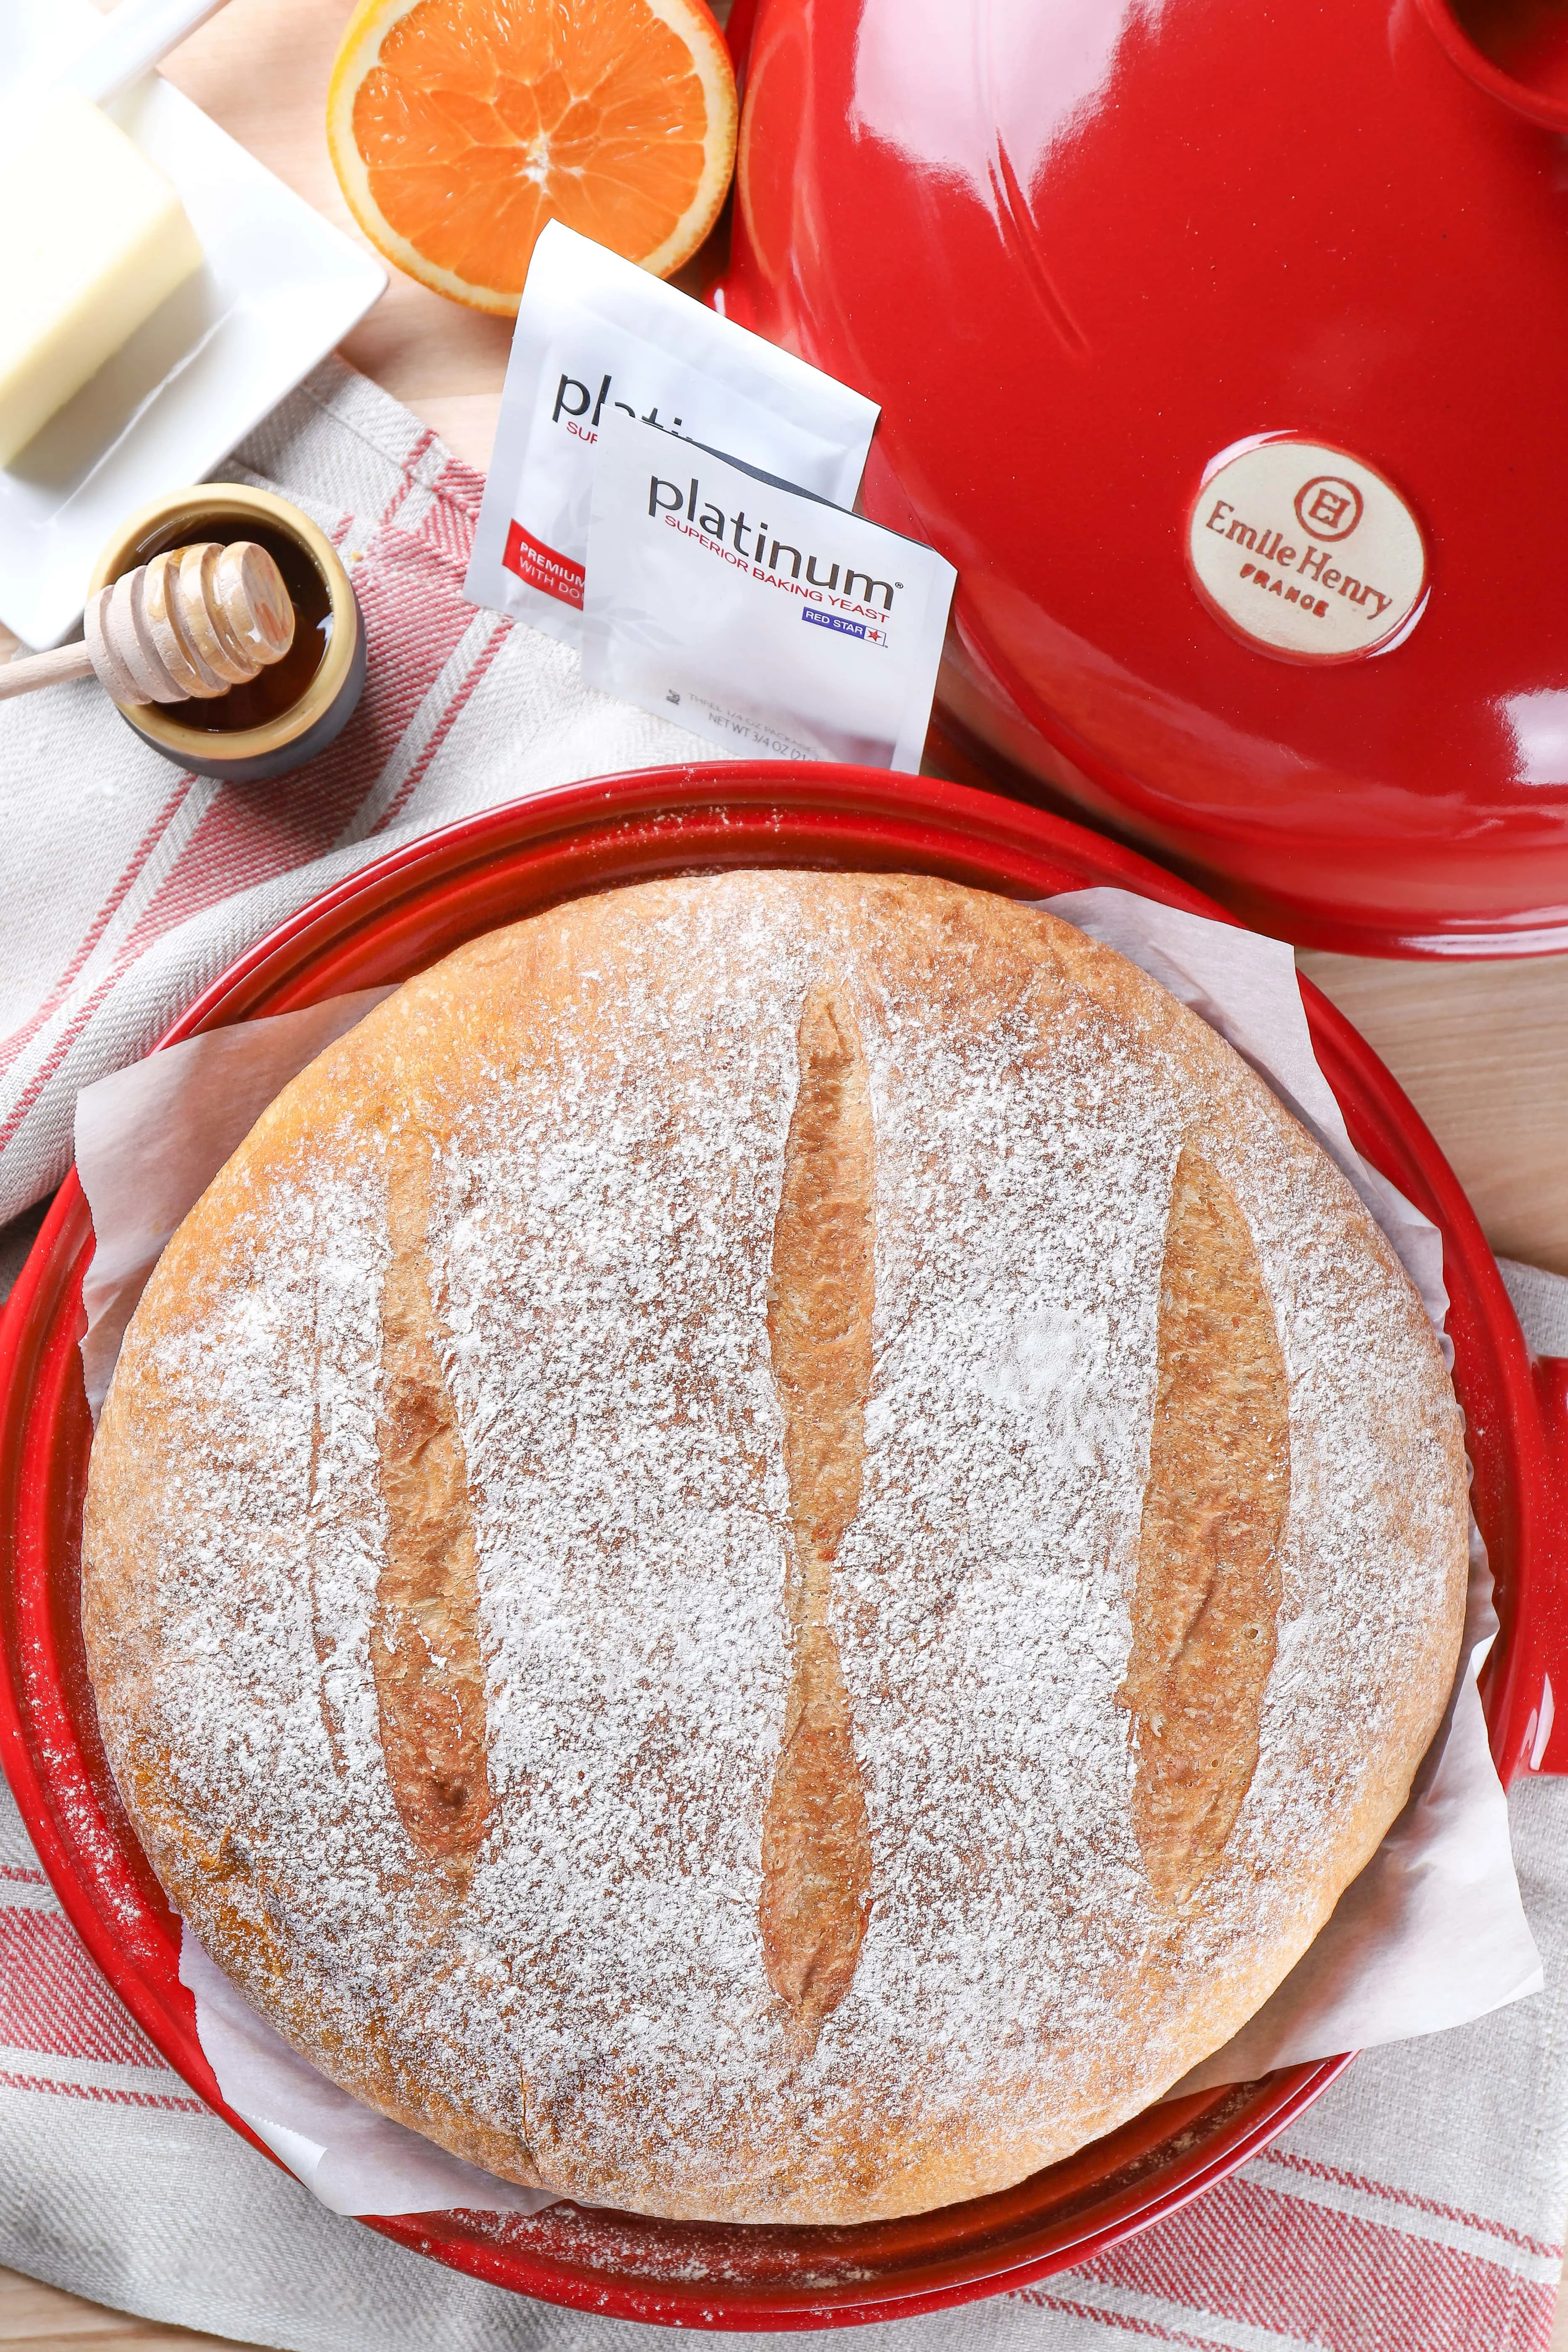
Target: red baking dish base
x,y
392,919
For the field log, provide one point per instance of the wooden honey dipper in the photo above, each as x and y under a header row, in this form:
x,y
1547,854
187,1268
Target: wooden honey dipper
x,y
186,626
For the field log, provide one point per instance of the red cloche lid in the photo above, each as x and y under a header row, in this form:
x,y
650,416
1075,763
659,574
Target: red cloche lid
x,y
1224,352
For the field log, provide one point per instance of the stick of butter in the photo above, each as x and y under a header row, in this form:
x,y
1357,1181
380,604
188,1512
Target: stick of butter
x,y
96,238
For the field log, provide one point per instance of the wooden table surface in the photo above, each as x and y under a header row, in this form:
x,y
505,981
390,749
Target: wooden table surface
x,y
1479,1046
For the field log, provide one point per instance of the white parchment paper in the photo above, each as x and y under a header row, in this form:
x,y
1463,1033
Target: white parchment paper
x,y
1431,1934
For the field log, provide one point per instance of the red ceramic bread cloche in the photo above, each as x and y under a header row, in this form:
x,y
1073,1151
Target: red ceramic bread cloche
x,y
1224,352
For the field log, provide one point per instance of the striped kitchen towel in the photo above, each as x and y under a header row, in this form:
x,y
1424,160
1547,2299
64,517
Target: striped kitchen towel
x,y
126,886
1416,2208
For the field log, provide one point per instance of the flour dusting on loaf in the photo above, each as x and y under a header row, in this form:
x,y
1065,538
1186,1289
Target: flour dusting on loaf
x,y
771,1548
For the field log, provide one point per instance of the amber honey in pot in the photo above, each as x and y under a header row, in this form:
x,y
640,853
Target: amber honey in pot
x,y
279,721
279,687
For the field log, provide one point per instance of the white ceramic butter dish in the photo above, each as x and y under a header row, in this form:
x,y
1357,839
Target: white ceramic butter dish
x,y
279,288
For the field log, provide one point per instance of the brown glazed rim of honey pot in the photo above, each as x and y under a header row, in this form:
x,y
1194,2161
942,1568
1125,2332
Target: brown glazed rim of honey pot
x,y
205,501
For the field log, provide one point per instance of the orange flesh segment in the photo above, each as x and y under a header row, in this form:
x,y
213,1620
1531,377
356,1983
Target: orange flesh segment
x,y
480,123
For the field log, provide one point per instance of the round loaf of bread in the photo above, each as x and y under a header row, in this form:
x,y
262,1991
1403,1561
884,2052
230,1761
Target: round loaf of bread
x,y
771,1548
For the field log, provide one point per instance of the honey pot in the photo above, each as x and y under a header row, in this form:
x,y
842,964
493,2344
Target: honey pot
x,y
293,710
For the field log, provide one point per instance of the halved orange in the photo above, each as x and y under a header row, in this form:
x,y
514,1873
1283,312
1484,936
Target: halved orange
x,y
457,128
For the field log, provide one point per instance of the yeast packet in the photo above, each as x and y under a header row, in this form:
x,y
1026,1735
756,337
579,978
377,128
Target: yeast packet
x,y
597,337
769,620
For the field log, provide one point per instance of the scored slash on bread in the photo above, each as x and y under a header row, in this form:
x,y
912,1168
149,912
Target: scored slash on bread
x,y
425,1636
817,1840
1214,1512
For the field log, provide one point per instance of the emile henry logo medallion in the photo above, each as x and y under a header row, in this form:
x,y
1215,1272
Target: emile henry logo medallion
x,y
1306,552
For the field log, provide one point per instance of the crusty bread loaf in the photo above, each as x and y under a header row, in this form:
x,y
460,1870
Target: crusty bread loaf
x,y
771,1548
